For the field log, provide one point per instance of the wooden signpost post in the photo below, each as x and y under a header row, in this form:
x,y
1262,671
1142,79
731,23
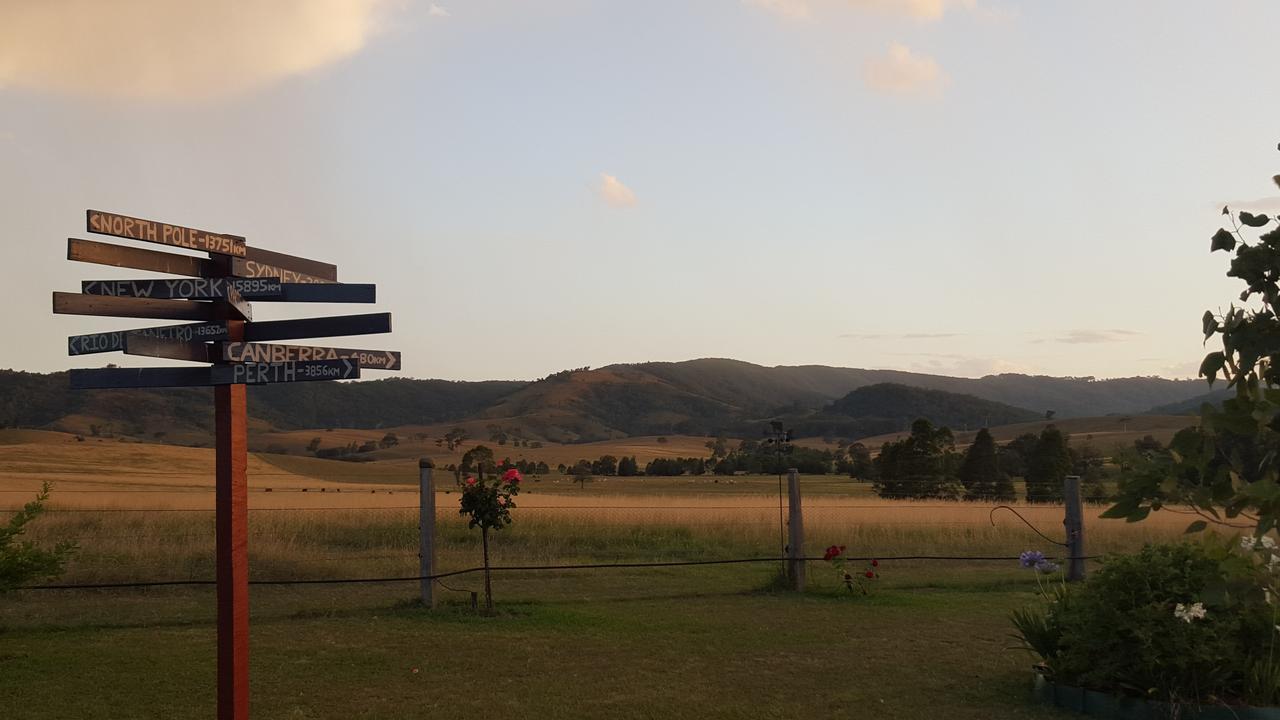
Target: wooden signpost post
x,y
215,290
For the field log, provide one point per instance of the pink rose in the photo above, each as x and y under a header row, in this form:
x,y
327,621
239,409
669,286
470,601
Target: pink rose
x,y
471,481
512,476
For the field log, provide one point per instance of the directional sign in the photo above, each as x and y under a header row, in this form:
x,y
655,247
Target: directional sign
x,y
265,263
337,326
77,304
170,349
185,288
238,307
141,259
157,232
263,289
263,352
113,341
250,374
302,371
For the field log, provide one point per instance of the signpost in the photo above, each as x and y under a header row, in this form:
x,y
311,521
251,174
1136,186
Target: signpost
x,y
214,290
265,352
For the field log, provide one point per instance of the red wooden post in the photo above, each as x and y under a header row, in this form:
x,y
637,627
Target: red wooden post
x,y
232,523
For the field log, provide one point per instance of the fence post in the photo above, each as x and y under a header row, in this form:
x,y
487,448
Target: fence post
x,y
795,531
426,529
1074,523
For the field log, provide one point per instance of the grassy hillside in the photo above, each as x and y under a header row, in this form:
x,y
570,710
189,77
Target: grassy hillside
x,y
698,397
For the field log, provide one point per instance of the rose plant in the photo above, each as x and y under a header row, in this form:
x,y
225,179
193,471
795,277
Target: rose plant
x,y
487,505
852,579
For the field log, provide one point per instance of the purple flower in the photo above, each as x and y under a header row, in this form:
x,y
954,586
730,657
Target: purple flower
x,y
1046,567
1031,558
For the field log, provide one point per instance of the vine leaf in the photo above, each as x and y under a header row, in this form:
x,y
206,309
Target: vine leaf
x,y
1252,220
1212,365
1222,240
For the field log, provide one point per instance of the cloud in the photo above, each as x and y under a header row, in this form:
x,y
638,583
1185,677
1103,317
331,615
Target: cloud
x,y
903,336
1086,337
903,72
614,192
922,10
789,9
1264,205
186,51
926,10
960,365
437,11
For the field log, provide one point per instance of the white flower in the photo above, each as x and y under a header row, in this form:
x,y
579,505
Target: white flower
x,y
1187,614
1249,542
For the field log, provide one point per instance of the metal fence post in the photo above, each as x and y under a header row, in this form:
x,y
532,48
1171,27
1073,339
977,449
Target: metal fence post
x,y
1074,524
426,530
795,531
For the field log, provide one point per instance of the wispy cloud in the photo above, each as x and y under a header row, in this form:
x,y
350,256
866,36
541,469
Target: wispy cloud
x,y
902,71
437,11
921,10
899,336
1087,337
961,365
789,9
1266,205
164,50
615,193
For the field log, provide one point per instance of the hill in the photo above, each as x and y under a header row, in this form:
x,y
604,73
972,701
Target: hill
x,y
696,397
890,407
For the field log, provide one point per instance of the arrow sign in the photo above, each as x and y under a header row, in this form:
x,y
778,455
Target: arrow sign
x,y
185,288
337,326
258,262
263,352
113,341
102,253
250,374
77,304
171,349
157,232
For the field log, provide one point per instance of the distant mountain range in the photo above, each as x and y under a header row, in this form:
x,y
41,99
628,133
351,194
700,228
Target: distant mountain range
x,y
698,397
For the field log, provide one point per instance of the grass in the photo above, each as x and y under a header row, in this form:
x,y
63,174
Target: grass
x,y
682,642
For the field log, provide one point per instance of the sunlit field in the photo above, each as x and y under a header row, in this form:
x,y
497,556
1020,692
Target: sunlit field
x,y
143,513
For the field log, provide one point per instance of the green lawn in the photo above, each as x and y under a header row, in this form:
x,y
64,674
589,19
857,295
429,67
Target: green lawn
x,y
669,643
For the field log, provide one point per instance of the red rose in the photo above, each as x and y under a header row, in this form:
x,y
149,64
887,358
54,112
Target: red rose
x,y
831,552
870,574
875,563
512,476
471,481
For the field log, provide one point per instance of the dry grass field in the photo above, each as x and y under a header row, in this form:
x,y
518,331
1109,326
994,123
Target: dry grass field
x,y
691,642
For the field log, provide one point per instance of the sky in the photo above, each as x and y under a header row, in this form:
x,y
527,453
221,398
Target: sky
x,y
960,187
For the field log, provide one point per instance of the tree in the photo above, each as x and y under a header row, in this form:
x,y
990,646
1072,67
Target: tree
x,y
455,438
477,459
979,472
313,445
1014,454
919,465
388,440
860,465
1227,469
628,467
1048,466
607,465
24,562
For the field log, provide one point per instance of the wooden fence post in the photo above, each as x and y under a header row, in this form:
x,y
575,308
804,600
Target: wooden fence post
x,y
795,531
427,530
1074,523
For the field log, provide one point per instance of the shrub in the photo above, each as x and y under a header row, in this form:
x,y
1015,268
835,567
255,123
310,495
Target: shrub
x,y
1182,623
23,562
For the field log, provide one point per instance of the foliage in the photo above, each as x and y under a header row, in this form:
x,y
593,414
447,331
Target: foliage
x,y
22,561
1182,623
980,472
921,465
1229,467
887,407
853,580
488,503
1048,466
